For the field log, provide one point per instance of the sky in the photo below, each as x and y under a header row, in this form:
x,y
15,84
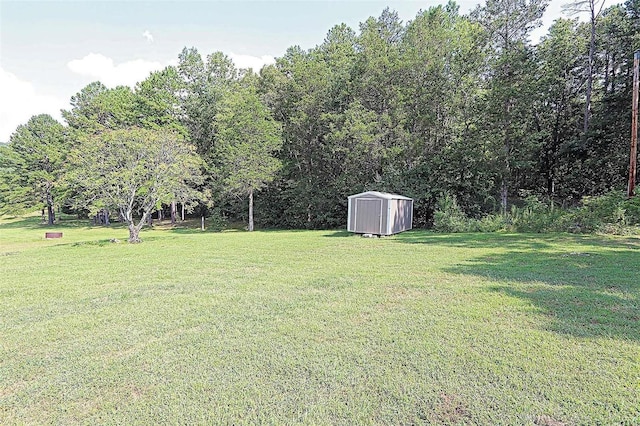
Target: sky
x,y
50,50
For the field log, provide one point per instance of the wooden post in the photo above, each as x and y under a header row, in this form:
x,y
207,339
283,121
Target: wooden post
x,y
631,189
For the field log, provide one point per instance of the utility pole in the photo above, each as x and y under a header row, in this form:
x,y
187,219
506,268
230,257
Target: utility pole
x,y
631,189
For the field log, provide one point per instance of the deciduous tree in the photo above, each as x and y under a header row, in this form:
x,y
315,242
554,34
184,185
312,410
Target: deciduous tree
x,y
134,171
248,138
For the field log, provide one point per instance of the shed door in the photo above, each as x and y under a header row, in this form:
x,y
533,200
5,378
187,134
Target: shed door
x,y
368,216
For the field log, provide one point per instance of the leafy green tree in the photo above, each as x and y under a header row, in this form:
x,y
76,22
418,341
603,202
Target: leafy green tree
x,y
248,138
594,8
559,85
133,171
508,24
441,91
96,109
158,102
204,85
32,165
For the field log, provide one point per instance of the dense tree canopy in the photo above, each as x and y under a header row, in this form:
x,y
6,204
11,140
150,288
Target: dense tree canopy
x,y
31,165
445,105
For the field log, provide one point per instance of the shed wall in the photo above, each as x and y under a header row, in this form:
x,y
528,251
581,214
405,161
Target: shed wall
x,y
401,216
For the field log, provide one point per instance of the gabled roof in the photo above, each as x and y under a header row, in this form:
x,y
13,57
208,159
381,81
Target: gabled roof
x,y
384,195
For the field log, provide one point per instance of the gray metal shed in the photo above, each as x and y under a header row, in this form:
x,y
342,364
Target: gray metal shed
x,y
379,213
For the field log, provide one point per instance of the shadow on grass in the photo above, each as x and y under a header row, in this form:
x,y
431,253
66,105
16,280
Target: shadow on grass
x,y
513,241
339,234
592,291
25,223
35,222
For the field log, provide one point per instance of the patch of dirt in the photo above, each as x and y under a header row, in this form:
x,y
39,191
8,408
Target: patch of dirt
x,y
450,410
545,420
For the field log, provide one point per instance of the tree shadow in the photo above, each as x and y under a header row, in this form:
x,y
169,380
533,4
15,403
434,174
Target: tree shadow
x,y
590,293
339,234
25,223
35,222
513,241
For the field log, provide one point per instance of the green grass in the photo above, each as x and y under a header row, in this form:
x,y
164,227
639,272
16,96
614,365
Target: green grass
x,y
316,327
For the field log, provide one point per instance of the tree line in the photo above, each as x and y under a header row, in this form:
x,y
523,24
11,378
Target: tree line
x,y
445,105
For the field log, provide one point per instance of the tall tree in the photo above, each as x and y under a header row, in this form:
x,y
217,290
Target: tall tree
x,y
593,7
133,171
96,109
556,112
158,102
33,164
248,138
508,24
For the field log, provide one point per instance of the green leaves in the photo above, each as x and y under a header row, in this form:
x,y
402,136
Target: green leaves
x,y
247,139
134,170
32,165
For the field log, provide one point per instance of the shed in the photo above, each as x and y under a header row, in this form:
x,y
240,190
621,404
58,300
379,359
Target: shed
x,y
379,213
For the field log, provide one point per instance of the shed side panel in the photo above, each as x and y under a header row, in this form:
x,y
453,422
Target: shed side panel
x,y
392,219
402,216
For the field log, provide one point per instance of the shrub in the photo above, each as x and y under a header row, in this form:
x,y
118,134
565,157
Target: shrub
x,y
448,216
491,223
611,213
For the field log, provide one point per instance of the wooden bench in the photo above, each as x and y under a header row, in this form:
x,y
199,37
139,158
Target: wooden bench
x,y
49,235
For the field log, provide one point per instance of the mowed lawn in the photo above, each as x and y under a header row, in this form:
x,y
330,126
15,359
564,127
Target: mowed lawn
x,y
317,327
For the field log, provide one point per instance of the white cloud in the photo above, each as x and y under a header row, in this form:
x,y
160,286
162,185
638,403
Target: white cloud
x,y
146,34
248,61
20,101
103,68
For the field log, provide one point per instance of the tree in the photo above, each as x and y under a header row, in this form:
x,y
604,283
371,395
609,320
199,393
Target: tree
x,y
133,171
248,137
508,24
96,109
33,164
560,82
158,102
593,7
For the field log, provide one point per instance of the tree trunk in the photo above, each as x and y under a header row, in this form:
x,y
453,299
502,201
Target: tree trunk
x,y
504,193
173,211
51,214
134,233
183,212
106,217
251,210
592,49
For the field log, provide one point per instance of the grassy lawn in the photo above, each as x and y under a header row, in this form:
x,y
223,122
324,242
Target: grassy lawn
x,y
317,327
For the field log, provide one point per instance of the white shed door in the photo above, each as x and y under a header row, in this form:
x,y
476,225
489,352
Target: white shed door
x,y
368,216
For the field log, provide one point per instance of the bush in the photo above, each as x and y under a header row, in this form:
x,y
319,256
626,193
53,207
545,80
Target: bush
x,y
537,216
448,216
490,223
611,213
604,213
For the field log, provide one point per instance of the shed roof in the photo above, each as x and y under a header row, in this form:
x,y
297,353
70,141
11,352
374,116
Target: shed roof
x,y
384,195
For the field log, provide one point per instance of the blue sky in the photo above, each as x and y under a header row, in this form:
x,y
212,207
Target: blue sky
x,y
49,50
